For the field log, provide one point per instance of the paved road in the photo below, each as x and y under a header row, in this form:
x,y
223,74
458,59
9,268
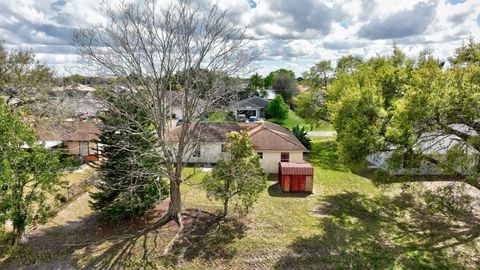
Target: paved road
x,y
323,133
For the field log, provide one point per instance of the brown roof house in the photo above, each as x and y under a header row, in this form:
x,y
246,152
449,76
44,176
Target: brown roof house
x,y
78,138
272,142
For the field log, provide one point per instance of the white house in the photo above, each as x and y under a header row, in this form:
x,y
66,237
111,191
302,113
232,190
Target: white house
x,y
272,142
433,145
254,106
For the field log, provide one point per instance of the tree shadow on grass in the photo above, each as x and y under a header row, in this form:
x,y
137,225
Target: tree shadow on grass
x,y
324,155
402,231
95,243
208,237
275,190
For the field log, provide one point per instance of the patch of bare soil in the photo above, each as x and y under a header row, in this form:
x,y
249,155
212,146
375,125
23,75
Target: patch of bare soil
x,y
80,238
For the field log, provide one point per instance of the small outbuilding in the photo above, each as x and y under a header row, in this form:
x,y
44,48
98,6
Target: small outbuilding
x,y
295,177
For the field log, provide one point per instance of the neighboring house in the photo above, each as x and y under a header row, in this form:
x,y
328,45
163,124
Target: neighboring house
x,y
78,138
173,101
433,145
254,106
272,142
79,99
210,137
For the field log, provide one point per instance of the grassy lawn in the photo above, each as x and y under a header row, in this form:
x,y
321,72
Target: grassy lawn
x,y
219,116
293,120
348,223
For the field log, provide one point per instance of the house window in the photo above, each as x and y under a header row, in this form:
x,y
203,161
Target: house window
x,y
284,157
196,152
260,154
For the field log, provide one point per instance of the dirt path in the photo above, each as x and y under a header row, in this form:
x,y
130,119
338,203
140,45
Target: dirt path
x,y
75,215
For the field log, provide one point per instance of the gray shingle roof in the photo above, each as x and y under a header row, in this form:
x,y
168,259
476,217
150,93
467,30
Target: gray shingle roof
x,y
252,102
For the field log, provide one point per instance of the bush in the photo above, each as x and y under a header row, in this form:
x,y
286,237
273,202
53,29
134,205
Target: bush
x,y
301,134
70,162
277,109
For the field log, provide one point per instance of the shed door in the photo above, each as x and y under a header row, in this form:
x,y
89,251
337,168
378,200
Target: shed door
x,y
301,183
295,185
286,183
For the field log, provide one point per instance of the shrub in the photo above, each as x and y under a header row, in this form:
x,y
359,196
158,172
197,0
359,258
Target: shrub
x,y
277,109
301,134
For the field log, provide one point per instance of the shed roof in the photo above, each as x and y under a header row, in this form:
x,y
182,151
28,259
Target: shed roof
x,y
291,168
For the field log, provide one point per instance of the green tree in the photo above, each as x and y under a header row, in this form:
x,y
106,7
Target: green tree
x,y
277,108
301,134
28,173
255,87
286,87
319,75
268,82
131,181
311,106
238,175
468,53
392,104
348,64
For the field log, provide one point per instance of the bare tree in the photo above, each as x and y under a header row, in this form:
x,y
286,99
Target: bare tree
x,y
159,52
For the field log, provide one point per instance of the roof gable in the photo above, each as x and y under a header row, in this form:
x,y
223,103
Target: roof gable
x,y
68,131
269,136
252,102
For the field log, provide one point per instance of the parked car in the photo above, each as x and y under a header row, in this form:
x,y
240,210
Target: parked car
x,y
241,118
179,122
252,119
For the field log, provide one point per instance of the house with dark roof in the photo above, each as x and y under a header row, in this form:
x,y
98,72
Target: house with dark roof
x,y
272,142
254,106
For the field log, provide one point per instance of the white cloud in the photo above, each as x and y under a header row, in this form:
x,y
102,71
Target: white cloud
x,y
291,34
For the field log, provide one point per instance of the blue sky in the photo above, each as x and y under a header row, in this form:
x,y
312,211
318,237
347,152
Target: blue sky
x,y
290,34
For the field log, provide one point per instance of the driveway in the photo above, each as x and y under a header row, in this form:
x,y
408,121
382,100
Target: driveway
x,y
323,133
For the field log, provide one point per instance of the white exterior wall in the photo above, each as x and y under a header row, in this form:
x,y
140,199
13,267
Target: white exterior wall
x,y
271,159
209,153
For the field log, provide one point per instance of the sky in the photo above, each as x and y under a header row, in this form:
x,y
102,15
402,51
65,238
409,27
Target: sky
x,y
290,34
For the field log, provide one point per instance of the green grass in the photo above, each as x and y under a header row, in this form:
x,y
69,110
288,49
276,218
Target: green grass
x,y
347,223
293,120
219,116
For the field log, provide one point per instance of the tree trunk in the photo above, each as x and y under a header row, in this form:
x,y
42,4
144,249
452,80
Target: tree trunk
x,y
19,236
225,208
175,206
